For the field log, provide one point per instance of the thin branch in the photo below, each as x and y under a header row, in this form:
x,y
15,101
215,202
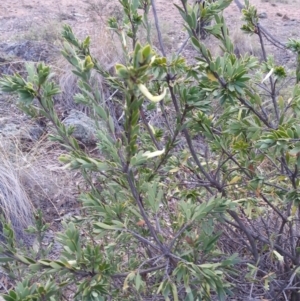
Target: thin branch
x,y
250,107
181,48
142,210
142,114
266,33
177,235
247,232
273,97
274,208
157,28
142,239
163,109
272,39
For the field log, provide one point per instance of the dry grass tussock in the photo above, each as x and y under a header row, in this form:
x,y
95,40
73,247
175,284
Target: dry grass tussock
x,y
15,204
41,30
49,186
31,177
245,44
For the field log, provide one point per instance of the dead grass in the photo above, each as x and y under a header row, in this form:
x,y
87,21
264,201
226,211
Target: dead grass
x,y
45,30
170,40
98,10
15,203
50,187
33,177
245,44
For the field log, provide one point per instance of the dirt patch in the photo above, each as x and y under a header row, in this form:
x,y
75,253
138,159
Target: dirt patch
x,y
43,19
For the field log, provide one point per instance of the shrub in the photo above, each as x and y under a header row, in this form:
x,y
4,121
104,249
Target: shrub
x,y
200,208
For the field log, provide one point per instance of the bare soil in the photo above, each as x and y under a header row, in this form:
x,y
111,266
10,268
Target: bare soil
x,y
40,20
19,18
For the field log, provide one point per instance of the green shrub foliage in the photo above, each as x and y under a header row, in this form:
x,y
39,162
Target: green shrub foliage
x,y
203,204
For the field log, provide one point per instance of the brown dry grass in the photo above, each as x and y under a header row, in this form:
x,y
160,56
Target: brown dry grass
x,y
16,206
32,176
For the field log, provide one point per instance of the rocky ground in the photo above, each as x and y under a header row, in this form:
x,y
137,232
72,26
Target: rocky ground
x,y
30,31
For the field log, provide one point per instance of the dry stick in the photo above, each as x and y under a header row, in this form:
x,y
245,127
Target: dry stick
x,y
213,182
241,241
274,41
252,284
156,258
157,28
172,141
276,247
274,208
239,4
262,239
280,232
285,287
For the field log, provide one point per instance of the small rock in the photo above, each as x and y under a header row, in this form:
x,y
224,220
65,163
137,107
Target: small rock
x,y
6,66
64,17
279,14
84,127
285,18
28,50
78,15
26,131
263,15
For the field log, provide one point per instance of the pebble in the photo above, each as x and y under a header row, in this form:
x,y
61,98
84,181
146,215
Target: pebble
x,y
263,15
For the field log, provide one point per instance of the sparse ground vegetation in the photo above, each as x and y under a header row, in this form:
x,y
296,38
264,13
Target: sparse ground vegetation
x,y
188,188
